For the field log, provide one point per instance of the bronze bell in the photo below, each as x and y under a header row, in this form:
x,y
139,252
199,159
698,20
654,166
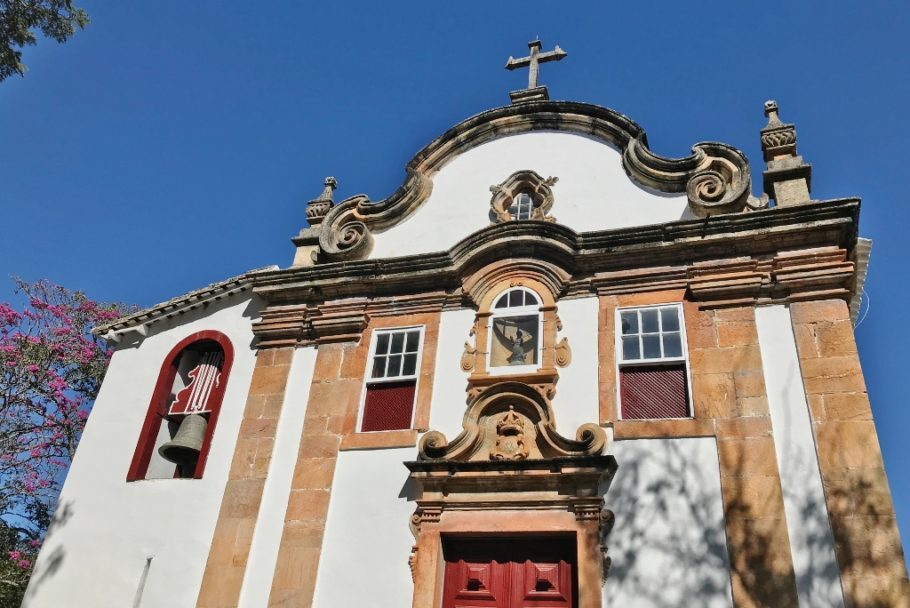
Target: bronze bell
x,y
184,448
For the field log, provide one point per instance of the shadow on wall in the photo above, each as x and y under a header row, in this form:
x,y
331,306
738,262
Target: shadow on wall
x,y
811,540
667,543
50,564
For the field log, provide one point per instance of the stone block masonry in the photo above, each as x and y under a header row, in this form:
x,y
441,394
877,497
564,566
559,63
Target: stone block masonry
x,y
867,543
224,570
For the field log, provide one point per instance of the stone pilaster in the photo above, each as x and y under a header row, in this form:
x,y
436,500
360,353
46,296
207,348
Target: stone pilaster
x,y
331,411
224,570
867,542
728,385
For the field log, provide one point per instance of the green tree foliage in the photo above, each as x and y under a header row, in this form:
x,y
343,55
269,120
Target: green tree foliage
x,y
20,20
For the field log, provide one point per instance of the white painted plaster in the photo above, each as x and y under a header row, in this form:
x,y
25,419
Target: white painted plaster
x,y
811,541
367,540
593,192
668,543
576,400
109,528
257,580
450,383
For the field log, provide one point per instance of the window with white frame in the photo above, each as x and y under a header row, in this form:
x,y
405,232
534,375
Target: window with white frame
x,y
391,384
652,362
515,332
522,206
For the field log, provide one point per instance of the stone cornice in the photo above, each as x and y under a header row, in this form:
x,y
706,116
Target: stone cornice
x,y
675,244
715,177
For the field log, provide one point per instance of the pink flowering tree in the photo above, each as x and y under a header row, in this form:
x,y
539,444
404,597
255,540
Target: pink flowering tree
x,y
50,370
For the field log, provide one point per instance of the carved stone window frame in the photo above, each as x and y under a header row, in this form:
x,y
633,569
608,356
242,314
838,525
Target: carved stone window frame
x,y
523,182
485,286
527,310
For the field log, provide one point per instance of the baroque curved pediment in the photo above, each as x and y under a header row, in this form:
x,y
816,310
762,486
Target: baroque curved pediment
x,y
715,177
510,421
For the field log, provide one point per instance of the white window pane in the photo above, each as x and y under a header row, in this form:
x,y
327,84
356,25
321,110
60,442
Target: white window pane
x,y
378,367
410,365
650,344
503,301
530,299
394,366
413,341
630,349
382,344
629,321
397,343
670,319
649,323
516,298
672,345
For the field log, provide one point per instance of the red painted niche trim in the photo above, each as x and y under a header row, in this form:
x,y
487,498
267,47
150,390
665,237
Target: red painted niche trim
x,y
160,401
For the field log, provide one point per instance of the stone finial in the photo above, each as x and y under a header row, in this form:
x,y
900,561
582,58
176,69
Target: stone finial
x,y
317,208
787,179
778,140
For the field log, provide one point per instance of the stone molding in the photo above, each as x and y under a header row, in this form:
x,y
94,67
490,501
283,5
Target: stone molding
x,y
778,277
569,256
715,177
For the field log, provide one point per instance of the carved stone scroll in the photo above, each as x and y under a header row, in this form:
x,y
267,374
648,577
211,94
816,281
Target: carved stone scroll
x,y
501,417
715,176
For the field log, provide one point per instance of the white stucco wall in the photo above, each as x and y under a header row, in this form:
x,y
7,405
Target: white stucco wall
x,y
96,555
811,541
668,544
367,541
593,192
260,570
576,400
449,382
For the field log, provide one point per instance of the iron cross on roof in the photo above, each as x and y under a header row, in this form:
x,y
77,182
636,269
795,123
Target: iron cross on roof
x,y
533,60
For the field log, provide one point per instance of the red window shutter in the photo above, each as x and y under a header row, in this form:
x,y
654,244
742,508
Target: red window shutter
x,y
388,406
654,391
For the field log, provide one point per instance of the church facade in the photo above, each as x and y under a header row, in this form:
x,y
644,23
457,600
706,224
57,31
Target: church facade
x,y
553,369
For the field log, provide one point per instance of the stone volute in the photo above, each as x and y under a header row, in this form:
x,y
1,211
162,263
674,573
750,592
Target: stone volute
x,y
788,178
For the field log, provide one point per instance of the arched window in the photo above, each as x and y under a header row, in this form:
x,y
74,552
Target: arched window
x,y
183,411
515,332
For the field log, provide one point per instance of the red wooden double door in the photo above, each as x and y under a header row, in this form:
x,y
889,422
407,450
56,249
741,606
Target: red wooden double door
x,y
534,572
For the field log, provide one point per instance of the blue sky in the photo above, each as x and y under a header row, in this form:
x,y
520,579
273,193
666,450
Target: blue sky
x,y
173,144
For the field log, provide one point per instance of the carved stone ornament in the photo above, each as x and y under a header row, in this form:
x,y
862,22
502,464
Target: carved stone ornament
x,y
317,208
511,421
510,473
526,182
510,438
778,139
715,176
469,356
563,353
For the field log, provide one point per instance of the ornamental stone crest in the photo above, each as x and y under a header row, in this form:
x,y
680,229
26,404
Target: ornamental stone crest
x,y
504,203
511,421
